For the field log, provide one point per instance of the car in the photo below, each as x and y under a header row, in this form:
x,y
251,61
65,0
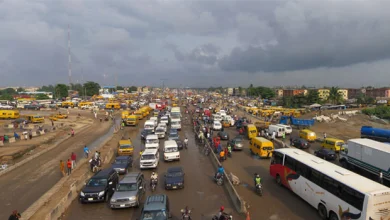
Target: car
x,y
197,110
300,143
179,144
326,154
173,131
160,132
156,207
164,119
61,116
53,118
164,126
122,164
237,143
145,133
129,191
217,125
174,178
173,136
99,187
223,135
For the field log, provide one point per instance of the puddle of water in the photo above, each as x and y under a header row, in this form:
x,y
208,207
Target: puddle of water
x,y
98,141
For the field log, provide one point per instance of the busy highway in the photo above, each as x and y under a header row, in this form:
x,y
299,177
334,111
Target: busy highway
x,y
200,193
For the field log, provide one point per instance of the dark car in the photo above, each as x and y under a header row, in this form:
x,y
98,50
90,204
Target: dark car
x,y
223,135
156,207
173,136
300,143
174,178
173,131
237,143
121,164
100,187
179,144
325,154
145,133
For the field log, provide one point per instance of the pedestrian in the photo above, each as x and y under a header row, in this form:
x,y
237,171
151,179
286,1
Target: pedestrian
x,y
30,134
67,111
52,123
291,140
284,136
62,167
86,151
69,166
324,135
72,132
123,125
381,177
15,215
73,157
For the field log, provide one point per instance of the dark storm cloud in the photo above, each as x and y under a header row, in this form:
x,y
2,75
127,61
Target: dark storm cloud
x,y
204,54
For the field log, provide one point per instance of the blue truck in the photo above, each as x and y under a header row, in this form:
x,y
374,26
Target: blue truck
x,y
296,121
377,134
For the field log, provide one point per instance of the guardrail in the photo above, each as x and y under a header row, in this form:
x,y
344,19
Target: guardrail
x,y
238,202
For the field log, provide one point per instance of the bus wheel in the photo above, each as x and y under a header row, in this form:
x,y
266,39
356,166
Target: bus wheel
x,y
322,211
278,180
333,216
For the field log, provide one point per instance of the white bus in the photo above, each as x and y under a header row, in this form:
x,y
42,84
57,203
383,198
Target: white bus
x,y
335,192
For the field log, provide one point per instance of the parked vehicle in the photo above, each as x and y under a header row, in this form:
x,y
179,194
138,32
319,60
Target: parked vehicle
x,y
129,191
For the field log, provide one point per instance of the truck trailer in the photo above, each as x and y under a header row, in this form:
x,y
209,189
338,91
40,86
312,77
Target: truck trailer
x,y
377,134
367,155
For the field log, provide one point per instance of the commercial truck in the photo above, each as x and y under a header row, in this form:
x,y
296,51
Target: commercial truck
x,y
371,157
377,134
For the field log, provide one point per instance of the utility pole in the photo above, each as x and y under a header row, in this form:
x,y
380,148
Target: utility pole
x,y
69,60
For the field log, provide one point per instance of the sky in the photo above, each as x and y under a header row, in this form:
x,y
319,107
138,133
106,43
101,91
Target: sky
x,y
199,43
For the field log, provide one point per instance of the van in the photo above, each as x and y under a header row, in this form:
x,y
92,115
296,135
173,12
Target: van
x,y
9,114
149,159
307,135
251,131
333,144
152,142
287,128
125,148
67,104
171,151
125,114
176,123
139,114
149,125
35,118
279,131
131,120
113,106
157,205
261,147
155,119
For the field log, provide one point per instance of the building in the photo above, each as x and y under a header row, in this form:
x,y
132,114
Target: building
x,y
236,91
343,93
139,89
279,93
293,92
378,92
230,91
355,93
145,89
299,92
323,94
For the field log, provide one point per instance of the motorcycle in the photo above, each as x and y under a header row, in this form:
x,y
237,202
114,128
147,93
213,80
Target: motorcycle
x,y
219,179
225,217
94,165
229,154
154,184
186,214
259,189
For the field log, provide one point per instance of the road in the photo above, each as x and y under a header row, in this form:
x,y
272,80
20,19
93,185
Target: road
x,y
23,186
200,192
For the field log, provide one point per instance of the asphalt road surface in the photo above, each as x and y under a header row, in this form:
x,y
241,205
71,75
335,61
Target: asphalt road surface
x,y
24,185
200,192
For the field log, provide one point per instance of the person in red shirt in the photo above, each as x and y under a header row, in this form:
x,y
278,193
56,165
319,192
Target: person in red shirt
x,y
69,166
73,157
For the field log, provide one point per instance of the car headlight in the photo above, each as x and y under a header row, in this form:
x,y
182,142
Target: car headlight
x,y
101,193
168,184
180,184
132,198
113,200
82,194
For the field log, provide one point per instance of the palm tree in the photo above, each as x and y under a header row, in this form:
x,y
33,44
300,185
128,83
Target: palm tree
x,y
334,96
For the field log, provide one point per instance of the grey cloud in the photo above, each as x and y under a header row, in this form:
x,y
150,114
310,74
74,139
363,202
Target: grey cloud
x,y
205,54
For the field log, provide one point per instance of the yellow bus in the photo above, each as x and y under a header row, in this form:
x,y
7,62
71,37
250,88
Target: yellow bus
x,y
261,147
9,114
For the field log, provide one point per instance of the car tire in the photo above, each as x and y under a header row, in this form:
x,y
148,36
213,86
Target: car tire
x,y
278,180
322,212
333,216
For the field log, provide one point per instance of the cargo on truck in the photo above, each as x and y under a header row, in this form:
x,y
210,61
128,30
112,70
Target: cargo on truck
x,y
377,134
368,155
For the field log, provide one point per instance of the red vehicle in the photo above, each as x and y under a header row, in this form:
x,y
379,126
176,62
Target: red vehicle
x,y
207,112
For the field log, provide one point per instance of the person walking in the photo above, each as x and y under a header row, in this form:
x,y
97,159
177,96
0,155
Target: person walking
x,y
69,166
86,151
284,136
15,215
73,157
62,167
52,123
324,135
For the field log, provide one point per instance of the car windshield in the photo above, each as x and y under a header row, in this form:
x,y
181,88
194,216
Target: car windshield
x,y
173,135
149,126
154,215
131,119
175,122
127,187
97,182
238,141
120,161
171,149
125,146
160,130
152,141
175,174
147,157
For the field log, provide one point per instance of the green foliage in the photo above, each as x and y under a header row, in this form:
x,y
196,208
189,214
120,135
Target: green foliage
x,y
79,88
49,88
363,99
263,92
334,96
92,88
120,88
20,89
133,89
8,91
41,97
6,97
312,97
380,111
61,90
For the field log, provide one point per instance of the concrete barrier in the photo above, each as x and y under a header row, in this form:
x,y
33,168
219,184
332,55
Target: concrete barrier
x,y
34,133
42,132
1,143
11,140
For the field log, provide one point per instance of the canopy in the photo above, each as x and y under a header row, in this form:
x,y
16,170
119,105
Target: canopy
x,y
315,105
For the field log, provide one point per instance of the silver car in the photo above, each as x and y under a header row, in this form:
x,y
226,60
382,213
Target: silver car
x,y
129,191
160,132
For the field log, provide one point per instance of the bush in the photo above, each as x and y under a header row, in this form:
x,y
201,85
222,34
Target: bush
x,y
380,111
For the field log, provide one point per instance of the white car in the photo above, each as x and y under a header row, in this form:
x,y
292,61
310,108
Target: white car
x,y
164,120
164,126
160,132
217,125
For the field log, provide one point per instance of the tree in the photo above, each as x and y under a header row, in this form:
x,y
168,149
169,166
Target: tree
x,y
133,89
92,88
6,97
61,91
8,91
41,97
120,88
49,88
20,89
312,97
334,96
79,88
